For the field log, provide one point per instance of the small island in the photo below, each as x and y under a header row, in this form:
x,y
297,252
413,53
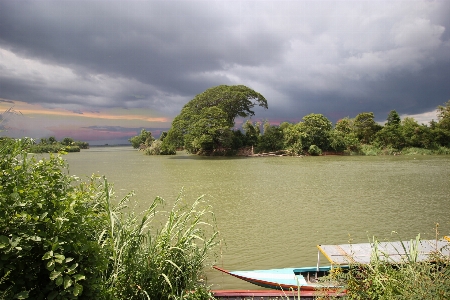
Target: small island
x,y
206,126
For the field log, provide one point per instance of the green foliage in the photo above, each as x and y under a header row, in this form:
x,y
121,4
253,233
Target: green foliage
x,y
338,141
390,136
61,238
167,149
410,279
144,138
158,148
162,265
252,133
314,150
444,116
51,145
48,226
196,131
393,119
205,122
317,131
271,140
67,141
238,139
81,145
420,136
209,132
53,148
365,127
234,101
421,151
344,125
293,138
442,151
163,136
154,149
370,150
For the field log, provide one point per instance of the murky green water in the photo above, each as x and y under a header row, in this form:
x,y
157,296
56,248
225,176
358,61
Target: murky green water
x,y
273,211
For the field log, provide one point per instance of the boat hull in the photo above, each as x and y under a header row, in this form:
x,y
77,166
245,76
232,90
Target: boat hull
x,y
285,279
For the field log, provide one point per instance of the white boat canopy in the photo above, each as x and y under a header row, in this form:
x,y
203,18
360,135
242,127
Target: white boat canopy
x,y
392,252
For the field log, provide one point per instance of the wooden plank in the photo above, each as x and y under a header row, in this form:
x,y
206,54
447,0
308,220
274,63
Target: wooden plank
x,y
395,252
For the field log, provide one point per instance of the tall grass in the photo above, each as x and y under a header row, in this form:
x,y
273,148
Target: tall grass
x,y
164,263
410,279
370,150
421,151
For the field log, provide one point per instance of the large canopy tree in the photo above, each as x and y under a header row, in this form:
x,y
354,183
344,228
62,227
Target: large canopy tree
x,y
200,128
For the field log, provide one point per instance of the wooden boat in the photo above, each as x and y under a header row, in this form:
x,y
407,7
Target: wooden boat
x,y
284,279
341,256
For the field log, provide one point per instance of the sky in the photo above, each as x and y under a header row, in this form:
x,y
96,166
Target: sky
x,y
99,71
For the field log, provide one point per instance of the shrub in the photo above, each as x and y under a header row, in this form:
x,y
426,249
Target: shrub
x,y
314,150
48,227
410,279
154,149
61,238
416,151
370,150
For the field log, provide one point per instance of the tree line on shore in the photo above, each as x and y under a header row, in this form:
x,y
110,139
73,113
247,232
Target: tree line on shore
x,y
206,124
51,145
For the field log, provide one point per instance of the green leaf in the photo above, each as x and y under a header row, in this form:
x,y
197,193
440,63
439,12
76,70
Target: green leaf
x,y
67,282
42,217
69,259
54,275
79,277
72,268
52,295
21,295
47,255
35,238
50,265
77,289
4,241
59,258
59,281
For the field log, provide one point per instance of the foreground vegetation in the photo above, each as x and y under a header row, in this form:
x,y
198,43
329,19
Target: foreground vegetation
x,y
410,279
63,238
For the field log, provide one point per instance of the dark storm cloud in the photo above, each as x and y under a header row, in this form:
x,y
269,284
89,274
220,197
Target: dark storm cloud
x,y
336,58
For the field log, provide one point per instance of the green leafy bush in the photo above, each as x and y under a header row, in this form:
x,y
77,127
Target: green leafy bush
x,y
410,279
52,148
48,228
314,150
370,150
61,238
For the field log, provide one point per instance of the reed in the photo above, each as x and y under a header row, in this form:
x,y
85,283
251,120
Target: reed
x,y
164,263
410,279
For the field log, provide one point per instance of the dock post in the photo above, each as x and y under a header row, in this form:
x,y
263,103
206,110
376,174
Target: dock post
x,y
318,261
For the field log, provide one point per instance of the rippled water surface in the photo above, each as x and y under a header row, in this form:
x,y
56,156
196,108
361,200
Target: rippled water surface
x,y
273,211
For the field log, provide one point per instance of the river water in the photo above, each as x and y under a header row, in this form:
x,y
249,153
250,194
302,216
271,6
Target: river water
x,y
272,211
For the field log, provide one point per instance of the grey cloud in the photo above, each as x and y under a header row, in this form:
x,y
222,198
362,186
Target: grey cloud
x,y
336,58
